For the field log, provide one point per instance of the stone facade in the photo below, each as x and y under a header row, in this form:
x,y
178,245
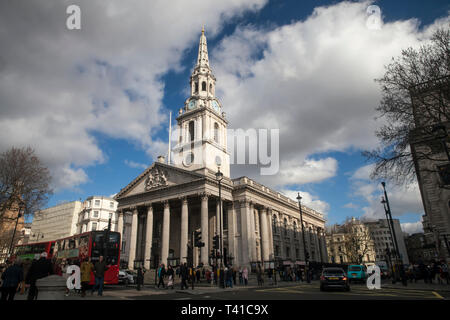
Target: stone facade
x,y
168,202
430,159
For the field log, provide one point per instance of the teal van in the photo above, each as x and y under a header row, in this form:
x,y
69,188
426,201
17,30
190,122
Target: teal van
x,y
356,273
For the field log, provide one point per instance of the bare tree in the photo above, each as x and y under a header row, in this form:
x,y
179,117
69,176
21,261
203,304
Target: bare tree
x,y
24,182
415,95
357,241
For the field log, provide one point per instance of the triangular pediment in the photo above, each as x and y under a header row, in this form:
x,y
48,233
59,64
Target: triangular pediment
x,y
157,176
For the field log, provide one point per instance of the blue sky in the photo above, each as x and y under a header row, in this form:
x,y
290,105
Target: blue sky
x,y
113,90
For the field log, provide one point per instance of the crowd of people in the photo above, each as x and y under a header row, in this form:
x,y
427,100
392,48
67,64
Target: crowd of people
x,y
20,276
434,272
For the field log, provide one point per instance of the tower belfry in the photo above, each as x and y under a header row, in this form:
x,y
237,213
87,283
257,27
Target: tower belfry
x,y
202,143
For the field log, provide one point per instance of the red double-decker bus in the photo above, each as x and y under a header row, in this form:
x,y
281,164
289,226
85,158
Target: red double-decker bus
x,y
78,247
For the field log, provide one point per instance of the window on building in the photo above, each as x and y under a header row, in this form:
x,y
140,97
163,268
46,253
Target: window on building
x,y
95,214
216,132
204,86
191,131
196,87
274,224
277,251
97,203
295,229
285,227
210,88
123,246
288,252
111,205
94,226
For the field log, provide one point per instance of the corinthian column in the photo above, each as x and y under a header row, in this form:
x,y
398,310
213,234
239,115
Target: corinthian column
x,y
148,237
133,238
120,223
265,238
204,226
165,234
184,230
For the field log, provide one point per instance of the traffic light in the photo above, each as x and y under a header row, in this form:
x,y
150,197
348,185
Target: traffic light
x,y
197,239
216,242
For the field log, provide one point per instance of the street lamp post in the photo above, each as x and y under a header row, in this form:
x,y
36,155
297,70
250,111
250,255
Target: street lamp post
x,y
383,201
219,177
299,198
397,251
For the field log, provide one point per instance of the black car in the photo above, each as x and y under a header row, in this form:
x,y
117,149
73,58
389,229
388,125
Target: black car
x,y
334,278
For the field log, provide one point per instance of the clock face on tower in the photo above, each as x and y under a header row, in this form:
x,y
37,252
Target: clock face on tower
x,y
215,106
191,104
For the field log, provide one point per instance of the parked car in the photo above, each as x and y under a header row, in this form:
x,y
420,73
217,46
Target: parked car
x,y
127,277
356,273
334,278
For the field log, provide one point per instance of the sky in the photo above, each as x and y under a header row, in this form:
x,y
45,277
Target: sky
x,y
94,103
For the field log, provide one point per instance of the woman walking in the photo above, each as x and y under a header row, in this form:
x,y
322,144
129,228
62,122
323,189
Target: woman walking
x,y
170,275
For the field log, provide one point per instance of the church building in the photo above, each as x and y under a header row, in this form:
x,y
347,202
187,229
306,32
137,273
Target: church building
x,y
169,203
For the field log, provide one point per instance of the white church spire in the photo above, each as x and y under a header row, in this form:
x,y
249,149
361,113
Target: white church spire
x,y
202,60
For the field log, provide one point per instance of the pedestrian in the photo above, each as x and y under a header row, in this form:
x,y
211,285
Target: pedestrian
x,y
208,276
39,269
170,275
234,275
161,274
444,272
269,275
259,275
197,273
241,279
203,273
11,278
245,275
192,276
86,269
230,277
100,268
184,276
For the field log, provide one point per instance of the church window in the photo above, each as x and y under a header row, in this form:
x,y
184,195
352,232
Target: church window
x,y
210,88
216,132
204,86
191,131
196,87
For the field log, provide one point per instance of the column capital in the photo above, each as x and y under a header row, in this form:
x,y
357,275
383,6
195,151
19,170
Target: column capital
x,y
244,203
166,204
183,199
204,195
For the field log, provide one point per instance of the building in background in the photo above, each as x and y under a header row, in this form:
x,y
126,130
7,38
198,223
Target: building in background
x,y
419,249
350,243
7,225
55,222
381,235
95,214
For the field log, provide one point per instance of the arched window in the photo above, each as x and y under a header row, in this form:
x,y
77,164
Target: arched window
x,y
274,224
191,131
216,132
210,88
204,86
196,87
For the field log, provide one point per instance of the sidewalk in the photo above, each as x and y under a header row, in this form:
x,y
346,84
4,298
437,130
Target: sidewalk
x,y
420,285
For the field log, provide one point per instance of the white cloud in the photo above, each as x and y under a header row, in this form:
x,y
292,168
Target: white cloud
x,y
312,79
59,86
412,227
136,165
308,200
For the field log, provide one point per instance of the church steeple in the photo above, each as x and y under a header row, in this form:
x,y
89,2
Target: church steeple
x,y
203,81
202,60
202,142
